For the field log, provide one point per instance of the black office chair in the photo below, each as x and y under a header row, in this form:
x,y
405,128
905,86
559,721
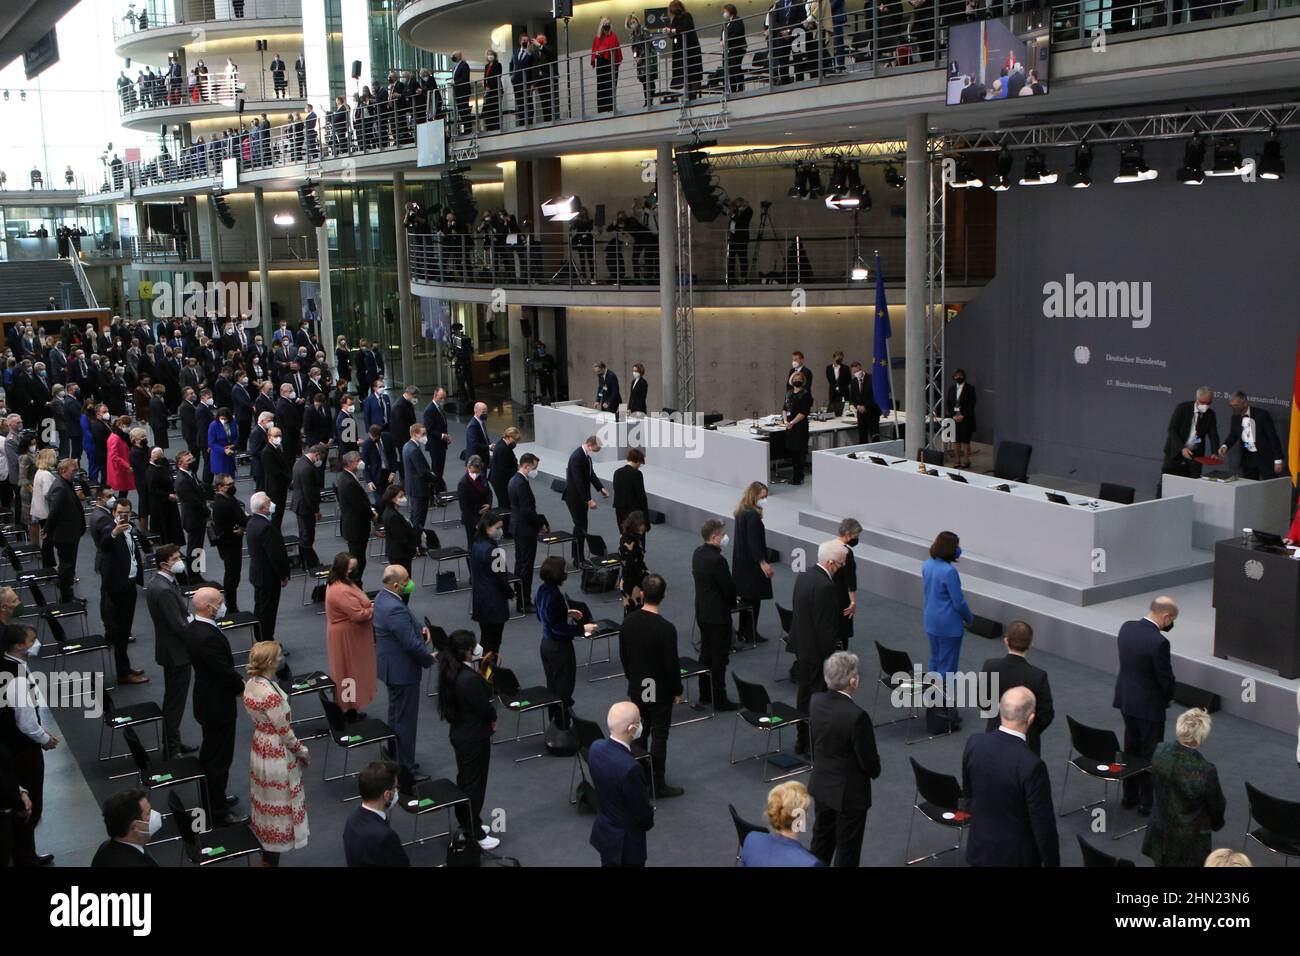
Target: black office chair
x,y
712,418
1279,824
932,456
205,847
430,796
351,736
166,773
117,719
558,485
600,569
1092,857
743,829
898,675
1099,757
1011,463
691,670
521,700
938,799
588,732
783,645
1120,494
764,714
779,457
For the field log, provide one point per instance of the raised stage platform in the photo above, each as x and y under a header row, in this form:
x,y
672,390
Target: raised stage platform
x,y
890,567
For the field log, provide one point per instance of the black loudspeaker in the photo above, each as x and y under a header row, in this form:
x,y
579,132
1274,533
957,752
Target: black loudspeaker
x,y
224,215
1189,696
275,310
562,9
162,130
388,315
261,45
239,106
703,195
526,328
984,627
459,197
311,206
356,69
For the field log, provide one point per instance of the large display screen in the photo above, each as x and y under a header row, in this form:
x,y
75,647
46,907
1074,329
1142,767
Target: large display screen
x,y
998,59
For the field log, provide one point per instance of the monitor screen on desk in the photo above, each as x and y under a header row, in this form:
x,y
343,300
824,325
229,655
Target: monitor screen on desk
x,y
957,477
1057,499
879,461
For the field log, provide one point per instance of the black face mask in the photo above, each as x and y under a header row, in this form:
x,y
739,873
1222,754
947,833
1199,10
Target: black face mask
x,y
852,542
959,381
1168,627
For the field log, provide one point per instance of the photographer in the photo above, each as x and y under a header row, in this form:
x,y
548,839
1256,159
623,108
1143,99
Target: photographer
x,y
741,214
543,366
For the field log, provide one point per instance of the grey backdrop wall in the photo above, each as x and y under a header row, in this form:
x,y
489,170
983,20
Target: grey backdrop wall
x,y
1215,269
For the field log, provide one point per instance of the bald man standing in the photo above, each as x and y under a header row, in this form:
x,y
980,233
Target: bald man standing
x,y
626,814
1143,689
217,691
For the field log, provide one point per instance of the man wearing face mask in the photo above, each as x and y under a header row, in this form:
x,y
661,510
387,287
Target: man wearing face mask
x,y
815,625
626,814
846,580
242,401
527,525
403,652
218,689
355,512
228,522
417,471
863,403
715,599
193,499
435,424
131,822
277,473
65,525
1193,432
121,572
579,479
477,443
607,395
288,416
798,368
204,415
368,839
21,731
306,486
167,607
1143,689
268,562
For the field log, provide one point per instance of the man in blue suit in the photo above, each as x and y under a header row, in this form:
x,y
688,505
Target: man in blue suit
x,y
417,471
379,408
579,479
435,423
1008,793
402,652
607,396
625,815
1143,690
476,436
368,838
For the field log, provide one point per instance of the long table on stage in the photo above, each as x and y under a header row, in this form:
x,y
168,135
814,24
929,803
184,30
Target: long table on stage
x,y
1257,605
840,430
1221,509
1083,544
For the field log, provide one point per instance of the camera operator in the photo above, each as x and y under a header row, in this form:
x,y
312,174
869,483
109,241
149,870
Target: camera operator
x,y
542,365
740,216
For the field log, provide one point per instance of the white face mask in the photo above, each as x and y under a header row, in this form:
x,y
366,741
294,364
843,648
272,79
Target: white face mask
x,y
636,375
35,650
531,474
221,611
393,802
726,540
275,441
794,364
761,502
400,502
1202,408
637,730
177,567
155,822
423,440
272,511
478,652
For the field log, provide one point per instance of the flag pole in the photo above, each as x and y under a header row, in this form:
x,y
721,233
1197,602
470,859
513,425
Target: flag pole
x,y
889,360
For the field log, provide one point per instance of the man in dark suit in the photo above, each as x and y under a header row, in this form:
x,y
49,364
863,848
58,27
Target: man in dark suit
x,y
460,89
317,423
268,563
257,436
204,414
218,689
306,487
838,375
378,407
265,401
847,762
1004,673
815,625
24,741
379,455
356,514
625,815
579,479
477,441
65,525
715,599
1262,454
629,488
167,608
1007,792
404,414
435,423
798,368
288,418
527,525
193,499
368,838
1143,689
130,821
863,403
402,653
647,649
277,473
502,468
417,471
607,395
121,572
1193,432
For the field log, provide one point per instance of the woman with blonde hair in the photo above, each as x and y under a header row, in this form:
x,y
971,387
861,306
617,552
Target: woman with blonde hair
x,y
749,567
1227,857
606,58
787,817
37,490
275,761
1189,802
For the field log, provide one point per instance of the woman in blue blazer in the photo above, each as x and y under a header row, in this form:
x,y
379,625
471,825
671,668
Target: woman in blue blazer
x,y
946,613
560,625
491,588
223,435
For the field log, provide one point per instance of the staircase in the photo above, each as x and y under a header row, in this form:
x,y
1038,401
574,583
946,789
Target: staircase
x,y
27,286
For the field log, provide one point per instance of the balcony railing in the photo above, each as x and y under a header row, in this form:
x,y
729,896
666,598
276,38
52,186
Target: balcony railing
x,y
224,87
817,257
179,249
139,18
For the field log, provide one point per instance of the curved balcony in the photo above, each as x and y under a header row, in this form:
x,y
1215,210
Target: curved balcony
x,y
151,101
158,29
237,253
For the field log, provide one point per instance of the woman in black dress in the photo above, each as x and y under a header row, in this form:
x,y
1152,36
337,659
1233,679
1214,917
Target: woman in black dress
x,y
164,513
749,568
401,541
688,64
158,416
631,548
465,703
491,91
961,406
139,457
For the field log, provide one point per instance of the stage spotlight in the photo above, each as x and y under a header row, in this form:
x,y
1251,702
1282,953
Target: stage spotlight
x,y
800,182
1036,173
860,271
892,178
813,183
1227,159
564,209
1270,165
1002,179
1192,172
311,204
838,183
1133,166
965,176
1081,176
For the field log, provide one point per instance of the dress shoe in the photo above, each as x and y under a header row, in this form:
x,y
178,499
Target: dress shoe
x,y
136,671
185,749
665,790
726,705
231,799
133,679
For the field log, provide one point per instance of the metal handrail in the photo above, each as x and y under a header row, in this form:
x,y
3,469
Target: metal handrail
x,y
194,12
82,281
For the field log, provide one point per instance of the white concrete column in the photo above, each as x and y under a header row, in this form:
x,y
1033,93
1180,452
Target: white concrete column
x,y
214,245
917,228
403,281
667,212
263,264
326,295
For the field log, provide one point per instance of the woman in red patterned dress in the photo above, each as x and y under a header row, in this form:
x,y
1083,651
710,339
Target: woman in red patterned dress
x,y
275,796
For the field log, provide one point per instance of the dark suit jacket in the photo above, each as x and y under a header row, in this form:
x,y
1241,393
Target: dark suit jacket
x,y
579,479
276,471
115,854
355,512
401,420
839,379
203,418
1009,798
965,407
217,685
476,441
193,500
1145,684
815,622
607,394
472,499
115,566
268,561
227,515
1180,426
647,649
502,469
306,487
189,428
288,417
715,593
369,840
845,746
1014,671
415,470
525,522
750,548
636,399
619,830
167,608
400,539
66,522
1266,441
629,493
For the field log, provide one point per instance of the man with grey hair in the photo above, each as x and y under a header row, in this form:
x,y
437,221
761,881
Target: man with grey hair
x,y
1007,792
815,625
1144,688
268,562
1193,433
355,512
847,762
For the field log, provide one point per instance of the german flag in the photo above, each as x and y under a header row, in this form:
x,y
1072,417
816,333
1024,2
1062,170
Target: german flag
x,y
1293,446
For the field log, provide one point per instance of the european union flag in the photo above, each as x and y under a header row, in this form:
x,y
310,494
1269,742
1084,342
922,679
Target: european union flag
x,y
880,390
